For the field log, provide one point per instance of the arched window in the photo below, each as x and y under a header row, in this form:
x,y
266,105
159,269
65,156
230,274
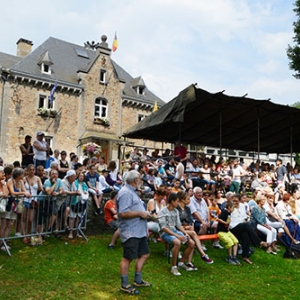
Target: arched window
x,y
101,108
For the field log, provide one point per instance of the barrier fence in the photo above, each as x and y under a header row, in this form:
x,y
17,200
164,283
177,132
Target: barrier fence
x,y
39,216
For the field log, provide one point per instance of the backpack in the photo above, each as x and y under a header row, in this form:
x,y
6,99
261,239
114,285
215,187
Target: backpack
x,y
292,252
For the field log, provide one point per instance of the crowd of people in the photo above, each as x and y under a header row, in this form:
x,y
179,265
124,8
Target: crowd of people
x,y
245,206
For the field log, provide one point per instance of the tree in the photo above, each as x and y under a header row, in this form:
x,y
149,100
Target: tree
x,y
293,53
296,105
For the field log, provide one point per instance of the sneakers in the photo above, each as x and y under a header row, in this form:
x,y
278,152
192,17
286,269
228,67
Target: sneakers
x,y
185,267
207,259
111,247
175,271
204,248
142,284
236,261
230,260
190,265
217,245
179,255
154,240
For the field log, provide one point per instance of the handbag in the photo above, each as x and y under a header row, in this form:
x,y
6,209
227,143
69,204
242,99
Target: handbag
x,y
2,205
272,219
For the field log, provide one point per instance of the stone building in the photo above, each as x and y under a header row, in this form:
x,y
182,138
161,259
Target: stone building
x,y
95,99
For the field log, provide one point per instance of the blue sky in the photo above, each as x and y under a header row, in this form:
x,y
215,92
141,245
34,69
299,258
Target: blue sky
x,y
234,45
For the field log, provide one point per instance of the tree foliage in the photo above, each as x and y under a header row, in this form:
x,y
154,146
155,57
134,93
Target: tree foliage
x,y
296,105
293,52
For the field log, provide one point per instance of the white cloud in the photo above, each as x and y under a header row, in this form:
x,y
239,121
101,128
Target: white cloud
x,y
234,45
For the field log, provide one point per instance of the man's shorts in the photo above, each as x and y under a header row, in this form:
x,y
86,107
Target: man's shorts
x,y
93,192
170,238
134,248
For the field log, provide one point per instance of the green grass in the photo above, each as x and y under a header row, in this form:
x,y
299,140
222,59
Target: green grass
x,y
61,269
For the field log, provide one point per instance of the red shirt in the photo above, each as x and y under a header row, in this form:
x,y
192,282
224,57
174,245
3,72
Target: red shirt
x,y
180,151
108,215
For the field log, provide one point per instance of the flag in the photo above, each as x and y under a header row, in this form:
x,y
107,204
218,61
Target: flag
x,y
155,107
115,43
51,97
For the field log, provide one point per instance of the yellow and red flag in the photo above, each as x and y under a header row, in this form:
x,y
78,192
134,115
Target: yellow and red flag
x,y
115,43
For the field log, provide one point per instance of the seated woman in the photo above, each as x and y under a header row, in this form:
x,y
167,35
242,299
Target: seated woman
x,y
243,230
274,220
154,206
172,232
186,220
259,221
284,211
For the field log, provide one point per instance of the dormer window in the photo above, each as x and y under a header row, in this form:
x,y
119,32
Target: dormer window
x,y
45,69
45,63
139,86
140,90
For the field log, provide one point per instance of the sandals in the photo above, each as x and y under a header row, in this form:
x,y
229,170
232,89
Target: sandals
x,y
142,284
264,245
129,290
247,260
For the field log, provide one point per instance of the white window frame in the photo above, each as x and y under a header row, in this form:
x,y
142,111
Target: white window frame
x,y
43,69
45,100
101,105
102,76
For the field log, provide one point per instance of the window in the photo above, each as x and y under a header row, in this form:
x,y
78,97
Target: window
x,y
141,118
44,102
101,108
45,69
140,90
102,76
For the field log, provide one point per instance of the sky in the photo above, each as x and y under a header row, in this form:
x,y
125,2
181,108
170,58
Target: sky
x,y
234,45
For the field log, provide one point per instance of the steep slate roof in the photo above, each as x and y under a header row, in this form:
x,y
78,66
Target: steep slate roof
x,y
7,60
68,59
130,82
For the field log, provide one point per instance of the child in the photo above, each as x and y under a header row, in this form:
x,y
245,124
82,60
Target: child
x,y
214,212
111,218
229,240
172,232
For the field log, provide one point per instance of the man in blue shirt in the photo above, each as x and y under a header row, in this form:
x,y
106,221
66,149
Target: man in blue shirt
x,y
132,217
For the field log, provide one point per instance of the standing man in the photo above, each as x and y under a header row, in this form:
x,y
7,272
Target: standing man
x,y
280,172
237,172
180,151
40,149
27,152
132,217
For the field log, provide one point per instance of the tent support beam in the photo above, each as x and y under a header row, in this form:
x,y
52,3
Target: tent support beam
x,y
258,135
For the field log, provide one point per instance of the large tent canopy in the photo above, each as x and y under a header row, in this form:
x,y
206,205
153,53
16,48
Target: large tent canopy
x,y
198,117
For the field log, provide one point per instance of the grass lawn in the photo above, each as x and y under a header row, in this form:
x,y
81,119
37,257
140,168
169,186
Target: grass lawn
x,y
62,269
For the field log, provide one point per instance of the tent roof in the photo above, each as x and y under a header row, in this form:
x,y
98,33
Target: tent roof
x,y
196,116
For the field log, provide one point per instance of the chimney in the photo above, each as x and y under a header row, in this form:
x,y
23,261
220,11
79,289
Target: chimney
x,y
23,47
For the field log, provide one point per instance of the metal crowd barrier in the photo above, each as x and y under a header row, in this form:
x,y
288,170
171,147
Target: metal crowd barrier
x,y
42,215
